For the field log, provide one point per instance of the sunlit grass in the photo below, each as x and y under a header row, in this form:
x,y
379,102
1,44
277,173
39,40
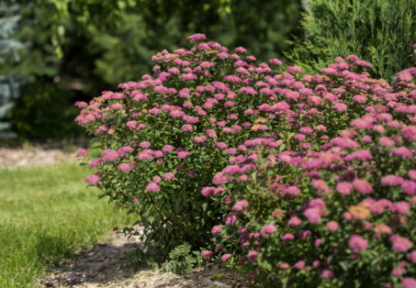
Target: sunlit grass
x,y
46,213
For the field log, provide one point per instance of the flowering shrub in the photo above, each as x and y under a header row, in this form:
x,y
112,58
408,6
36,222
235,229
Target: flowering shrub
x,y
163,138
340,215
165,142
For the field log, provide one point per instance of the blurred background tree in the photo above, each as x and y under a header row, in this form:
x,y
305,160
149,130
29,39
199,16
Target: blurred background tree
x,y
10,23
82,47
379,31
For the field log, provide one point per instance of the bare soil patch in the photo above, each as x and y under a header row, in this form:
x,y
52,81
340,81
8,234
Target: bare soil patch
x,y
108,265
35,155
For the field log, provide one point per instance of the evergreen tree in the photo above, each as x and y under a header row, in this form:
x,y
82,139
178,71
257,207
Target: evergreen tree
x,y
378,31
9,83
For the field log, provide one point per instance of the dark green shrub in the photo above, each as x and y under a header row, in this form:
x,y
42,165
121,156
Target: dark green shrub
x,y
379,31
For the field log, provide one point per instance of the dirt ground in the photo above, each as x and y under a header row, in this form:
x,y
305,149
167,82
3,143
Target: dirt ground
x,y
107,265
35,155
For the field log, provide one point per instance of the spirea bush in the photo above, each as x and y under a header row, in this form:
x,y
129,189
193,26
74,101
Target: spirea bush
x,y
165,144
340,214
163,138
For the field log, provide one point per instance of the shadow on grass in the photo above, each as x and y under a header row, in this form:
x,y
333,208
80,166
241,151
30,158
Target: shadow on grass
x,y
51,249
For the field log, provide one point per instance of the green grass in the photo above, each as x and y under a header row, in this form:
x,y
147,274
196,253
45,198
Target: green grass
x,y
46,213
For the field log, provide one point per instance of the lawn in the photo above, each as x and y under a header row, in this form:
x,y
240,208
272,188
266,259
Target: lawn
x,y
46,213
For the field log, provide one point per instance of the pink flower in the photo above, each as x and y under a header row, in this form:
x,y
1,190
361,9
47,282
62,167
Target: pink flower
x,y
116,106
92,179
152,187
344,188
189,76
220,145
409,282
167,148
409,132
412,174
208,191
156,179
357,243
230,219
218,248
397,271
96,162
231,169
83,153
363,63
362,186
402,207
140,126
275,61
187,127
109,155
81,104
195,38
233,78
176,114
402,152
169,176
122,151
400,244
319,184
158,154
144,144
200,139
313,215
352,58
412,257
240,50
211,133
409,187
125,167
226,257
340,107
293,190
216,229
252,256
144,156
332,226
361,155
184,93
287,237
385,141
266,230
304,234
391,180
326,274
240,205
206,254
299,265
294,221
295,69
219,179
306,130
284,266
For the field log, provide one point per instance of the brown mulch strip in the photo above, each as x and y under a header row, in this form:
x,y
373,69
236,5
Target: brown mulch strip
x,y
37,154
109,266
